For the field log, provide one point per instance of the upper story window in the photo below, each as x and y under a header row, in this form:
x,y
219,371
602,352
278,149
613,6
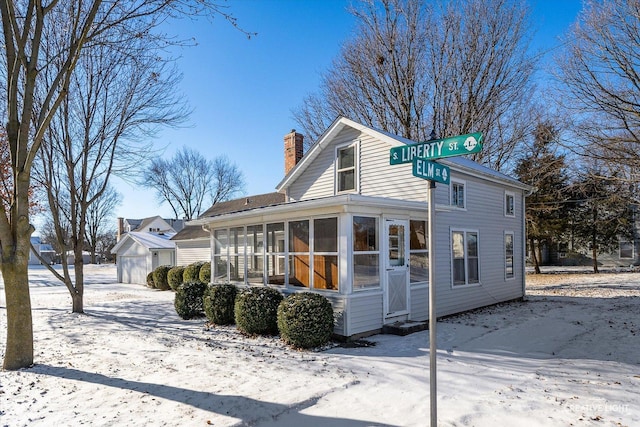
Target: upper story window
x,y
346,170
458,196
509,204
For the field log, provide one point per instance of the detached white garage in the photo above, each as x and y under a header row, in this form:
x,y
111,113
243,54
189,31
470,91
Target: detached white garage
x,y
139,253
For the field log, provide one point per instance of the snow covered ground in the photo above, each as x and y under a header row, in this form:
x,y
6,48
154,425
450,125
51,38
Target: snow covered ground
x,y
569,355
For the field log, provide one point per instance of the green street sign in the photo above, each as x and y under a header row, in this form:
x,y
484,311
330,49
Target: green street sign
x,y
437,149
425,169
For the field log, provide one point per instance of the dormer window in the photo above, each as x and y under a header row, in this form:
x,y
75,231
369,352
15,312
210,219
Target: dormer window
x,y
346,171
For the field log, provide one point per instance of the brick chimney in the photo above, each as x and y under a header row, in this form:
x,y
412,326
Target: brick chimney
x,y
293,142
120,228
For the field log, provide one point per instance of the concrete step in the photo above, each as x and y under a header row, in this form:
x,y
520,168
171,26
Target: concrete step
x,y
404,328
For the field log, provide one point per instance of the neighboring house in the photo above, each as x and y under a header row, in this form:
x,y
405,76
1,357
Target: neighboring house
x,y
154,224
564,252
45,250
139,253
353,228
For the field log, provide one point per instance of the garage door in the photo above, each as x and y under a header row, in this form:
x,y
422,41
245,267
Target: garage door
x,y
133,269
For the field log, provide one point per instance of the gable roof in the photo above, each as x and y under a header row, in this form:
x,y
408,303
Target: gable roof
x,y
190,232
147,240
460,163
244,204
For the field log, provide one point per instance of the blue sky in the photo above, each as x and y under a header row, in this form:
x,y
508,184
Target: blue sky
x,y
243,91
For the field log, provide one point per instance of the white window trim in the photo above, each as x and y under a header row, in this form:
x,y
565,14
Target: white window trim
x,y
633,249
379,252
466,273
356,166
513,195
513,237
464,199
418,251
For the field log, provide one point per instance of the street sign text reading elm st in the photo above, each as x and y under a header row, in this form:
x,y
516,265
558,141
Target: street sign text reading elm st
x,y
437,149
432,171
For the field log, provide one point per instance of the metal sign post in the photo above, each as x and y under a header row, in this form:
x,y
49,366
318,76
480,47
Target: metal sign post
x,y
419,154
431,200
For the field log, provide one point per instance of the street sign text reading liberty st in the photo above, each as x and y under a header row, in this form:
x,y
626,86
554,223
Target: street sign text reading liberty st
x,y
437,149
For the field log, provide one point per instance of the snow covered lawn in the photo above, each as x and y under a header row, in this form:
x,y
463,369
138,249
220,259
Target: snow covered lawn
x,y
568,355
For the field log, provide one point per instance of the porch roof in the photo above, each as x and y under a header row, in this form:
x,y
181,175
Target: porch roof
x,y
340,203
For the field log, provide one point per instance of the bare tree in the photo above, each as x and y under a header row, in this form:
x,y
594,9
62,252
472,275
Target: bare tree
x,y
188,180
599,76
377,78
415,66
116,95
37,64
99,222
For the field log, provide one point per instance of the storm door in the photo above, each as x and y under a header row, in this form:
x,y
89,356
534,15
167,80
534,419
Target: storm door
x,y
396,295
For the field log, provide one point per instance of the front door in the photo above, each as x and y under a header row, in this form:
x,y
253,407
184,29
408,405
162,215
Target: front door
x,y
397,268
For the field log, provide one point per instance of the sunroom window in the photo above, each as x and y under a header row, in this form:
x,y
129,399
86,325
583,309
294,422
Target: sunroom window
x,y
325,253
366,253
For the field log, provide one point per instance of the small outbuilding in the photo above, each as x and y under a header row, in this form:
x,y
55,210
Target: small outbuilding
x,y
139,253
349,225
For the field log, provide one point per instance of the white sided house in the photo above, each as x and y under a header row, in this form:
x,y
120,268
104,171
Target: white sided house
x,y
139,253
353,228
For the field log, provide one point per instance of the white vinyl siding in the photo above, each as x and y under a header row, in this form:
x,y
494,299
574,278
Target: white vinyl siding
x,y
377,178
190,251
365,313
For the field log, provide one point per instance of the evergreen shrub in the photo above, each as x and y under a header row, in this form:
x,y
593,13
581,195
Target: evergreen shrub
x,y
219,301
256,311
160,277
189,300
192,272
174,277
150,280
305,320
205,273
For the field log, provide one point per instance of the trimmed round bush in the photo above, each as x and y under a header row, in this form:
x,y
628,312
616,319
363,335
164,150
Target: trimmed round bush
x,y
160,277
192,272
189,300
256,311
150,280
305,320
174,277
219,301
205,273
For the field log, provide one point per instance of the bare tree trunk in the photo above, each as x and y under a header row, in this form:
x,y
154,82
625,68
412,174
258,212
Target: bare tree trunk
x,y
594,244
536,265
77,291
19,349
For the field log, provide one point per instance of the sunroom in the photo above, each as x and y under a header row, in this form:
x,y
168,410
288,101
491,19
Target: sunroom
x,y
367,255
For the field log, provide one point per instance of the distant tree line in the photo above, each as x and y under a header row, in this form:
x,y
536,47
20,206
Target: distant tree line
x,y
416,66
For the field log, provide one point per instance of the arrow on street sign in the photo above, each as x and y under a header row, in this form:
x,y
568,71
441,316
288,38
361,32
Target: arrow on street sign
x,y
425,169
437,148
